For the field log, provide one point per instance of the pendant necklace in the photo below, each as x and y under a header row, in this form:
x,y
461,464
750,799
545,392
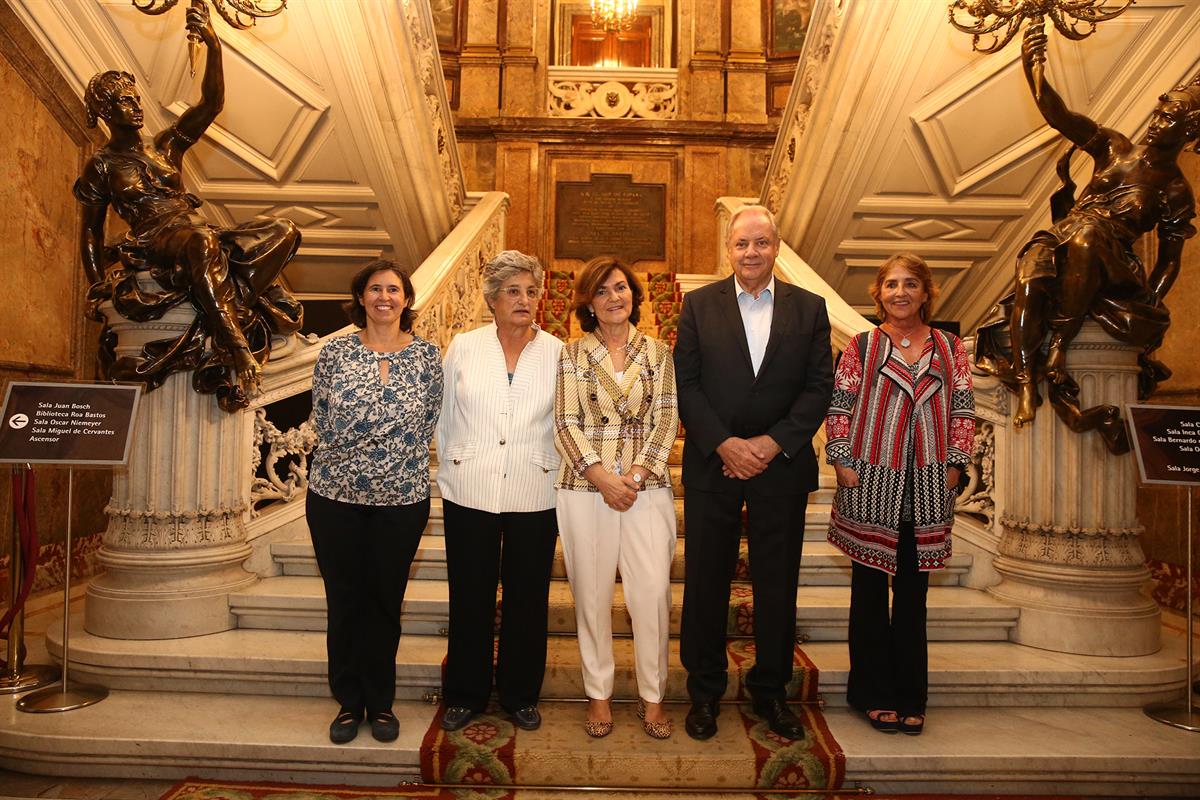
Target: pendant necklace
x,y
905,341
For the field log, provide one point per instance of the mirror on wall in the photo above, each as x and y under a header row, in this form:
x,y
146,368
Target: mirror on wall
x,y
648,41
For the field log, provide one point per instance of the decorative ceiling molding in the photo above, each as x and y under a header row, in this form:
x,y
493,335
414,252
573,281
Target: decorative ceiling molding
x,y
327,120
941,151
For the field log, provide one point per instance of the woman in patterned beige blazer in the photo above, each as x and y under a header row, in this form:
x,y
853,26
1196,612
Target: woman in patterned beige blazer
x,y
615,419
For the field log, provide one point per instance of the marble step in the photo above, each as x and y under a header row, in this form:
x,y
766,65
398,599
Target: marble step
x,y
955,612
822,565
131,734
816,520
292,663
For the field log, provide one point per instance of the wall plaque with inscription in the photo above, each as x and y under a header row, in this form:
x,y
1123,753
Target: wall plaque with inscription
x,y
610,215
1166,440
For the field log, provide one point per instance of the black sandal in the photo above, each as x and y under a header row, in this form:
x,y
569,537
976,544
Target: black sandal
x,y
875,717
912,729
345,726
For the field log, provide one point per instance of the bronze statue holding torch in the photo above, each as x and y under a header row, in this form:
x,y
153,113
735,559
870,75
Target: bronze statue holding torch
x,y
230,276
1084,266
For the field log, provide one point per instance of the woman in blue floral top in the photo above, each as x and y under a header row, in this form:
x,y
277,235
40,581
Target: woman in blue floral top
x,y
376,397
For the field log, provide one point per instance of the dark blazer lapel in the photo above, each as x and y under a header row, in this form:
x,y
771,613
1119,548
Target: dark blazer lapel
x,y
733,316
781,321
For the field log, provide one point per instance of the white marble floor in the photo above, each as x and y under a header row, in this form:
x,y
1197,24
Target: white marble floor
x,y
138,743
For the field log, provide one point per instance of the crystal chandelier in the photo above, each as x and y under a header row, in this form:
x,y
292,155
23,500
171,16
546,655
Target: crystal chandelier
x,y
613,15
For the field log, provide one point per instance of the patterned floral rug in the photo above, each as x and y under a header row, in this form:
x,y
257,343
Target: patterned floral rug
x,y
744,755
195,789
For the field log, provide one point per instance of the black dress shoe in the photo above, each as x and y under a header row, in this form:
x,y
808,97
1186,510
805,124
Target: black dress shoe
x,y
384,726
527,718
780,718
701,721
345,726
456,717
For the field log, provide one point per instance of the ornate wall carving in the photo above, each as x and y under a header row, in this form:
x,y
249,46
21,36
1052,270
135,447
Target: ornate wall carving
x,y
611,93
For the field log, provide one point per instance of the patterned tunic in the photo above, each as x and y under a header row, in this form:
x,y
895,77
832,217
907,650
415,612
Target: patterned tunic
x,y
899,427
598,421
373,437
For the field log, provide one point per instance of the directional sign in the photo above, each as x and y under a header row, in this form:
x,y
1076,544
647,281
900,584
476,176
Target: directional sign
x,y
68,423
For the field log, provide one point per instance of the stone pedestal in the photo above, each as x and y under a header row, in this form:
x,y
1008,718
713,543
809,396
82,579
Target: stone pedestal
x,y
176,537
1069,555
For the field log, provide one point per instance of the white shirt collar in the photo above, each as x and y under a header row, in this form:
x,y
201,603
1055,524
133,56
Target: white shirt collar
x,y
770,287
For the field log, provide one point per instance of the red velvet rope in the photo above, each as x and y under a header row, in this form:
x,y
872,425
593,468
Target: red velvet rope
x,y
23,512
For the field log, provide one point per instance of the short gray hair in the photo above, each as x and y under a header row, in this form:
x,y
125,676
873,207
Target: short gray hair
x,y
508,264
753,209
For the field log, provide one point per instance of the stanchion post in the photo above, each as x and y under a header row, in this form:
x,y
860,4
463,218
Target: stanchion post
x,y
64,697
19,676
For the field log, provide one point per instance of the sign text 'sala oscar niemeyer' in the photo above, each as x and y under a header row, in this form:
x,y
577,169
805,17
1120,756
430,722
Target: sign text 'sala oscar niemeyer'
x,y
67,423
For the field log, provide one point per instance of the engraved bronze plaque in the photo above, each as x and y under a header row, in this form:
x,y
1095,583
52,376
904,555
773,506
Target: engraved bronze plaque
x,y
610,215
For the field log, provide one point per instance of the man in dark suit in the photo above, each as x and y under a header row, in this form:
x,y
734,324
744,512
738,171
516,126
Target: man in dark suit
x,y
754,375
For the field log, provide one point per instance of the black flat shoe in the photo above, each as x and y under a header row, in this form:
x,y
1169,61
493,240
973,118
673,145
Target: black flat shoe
x,y
875,716
345,726
701,720
527,718
911,728
782,721
384,726
456,717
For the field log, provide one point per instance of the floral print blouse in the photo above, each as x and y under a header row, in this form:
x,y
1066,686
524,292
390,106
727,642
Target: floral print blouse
x,y
373,437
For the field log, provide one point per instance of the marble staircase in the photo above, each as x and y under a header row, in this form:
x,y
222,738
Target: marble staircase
x,y
252,702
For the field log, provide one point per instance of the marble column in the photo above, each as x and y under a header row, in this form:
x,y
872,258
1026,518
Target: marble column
x,y
176,537
480,62
746,67
1069,554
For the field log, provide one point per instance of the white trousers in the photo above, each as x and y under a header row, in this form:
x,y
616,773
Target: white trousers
x,y
641,541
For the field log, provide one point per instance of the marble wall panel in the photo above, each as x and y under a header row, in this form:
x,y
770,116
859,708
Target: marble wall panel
x,y
43,336
38,237
516,173
704,180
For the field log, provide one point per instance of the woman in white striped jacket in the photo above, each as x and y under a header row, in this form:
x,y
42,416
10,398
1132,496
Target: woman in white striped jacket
x,y
496,470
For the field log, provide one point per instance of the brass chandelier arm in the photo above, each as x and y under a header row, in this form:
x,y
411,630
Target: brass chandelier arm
x,y
241,14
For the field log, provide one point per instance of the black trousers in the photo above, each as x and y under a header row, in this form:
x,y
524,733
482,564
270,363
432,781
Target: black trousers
x,y
889,657
517,550
364,553
775,533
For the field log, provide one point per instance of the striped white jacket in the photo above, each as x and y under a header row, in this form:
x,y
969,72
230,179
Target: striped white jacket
x,y
495,441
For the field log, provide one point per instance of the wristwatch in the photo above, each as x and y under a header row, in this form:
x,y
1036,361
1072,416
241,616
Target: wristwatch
x,y
637,477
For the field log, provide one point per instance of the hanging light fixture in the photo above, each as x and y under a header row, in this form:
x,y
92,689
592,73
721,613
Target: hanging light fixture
x,y
613,15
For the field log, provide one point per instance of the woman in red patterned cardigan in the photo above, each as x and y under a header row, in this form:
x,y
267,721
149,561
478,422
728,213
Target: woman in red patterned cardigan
x,y
900,430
